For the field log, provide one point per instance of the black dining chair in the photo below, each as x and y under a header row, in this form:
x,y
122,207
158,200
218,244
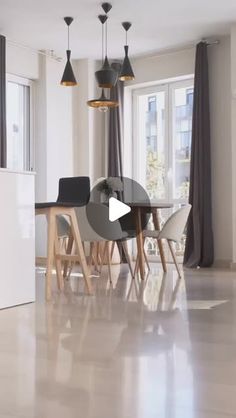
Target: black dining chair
x,y
74,190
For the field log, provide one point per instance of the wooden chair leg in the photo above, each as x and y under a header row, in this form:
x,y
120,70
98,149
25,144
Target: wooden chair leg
x,y
136,268
126,252
91,256
112,248
58,264
161,293
95,255
98,257
103,256
146,260
65,242
70,266
80,250
174,257
139,241
70,270
99,254
68,251
156,222
108,260
51,218
174,294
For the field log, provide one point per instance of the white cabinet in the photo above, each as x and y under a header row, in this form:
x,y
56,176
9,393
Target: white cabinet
x,y
17,238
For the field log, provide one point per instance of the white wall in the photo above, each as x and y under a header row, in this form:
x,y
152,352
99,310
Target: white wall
x,y
40,156
179,64
233,136
53,138
88,123
81,119
220,108
22,62
59,128
162,67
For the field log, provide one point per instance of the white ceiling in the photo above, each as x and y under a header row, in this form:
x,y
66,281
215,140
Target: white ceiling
x,y
157,24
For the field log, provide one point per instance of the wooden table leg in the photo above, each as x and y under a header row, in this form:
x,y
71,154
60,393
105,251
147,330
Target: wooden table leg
x,y
50,252
80,250
139,240
156,223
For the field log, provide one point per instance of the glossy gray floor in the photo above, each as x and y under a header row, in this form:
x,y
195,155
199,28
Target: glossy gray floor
x,y
164,348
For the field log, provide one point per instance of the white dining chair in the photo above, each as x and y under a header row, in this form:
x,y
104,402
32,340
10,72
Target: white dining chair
x,y
171,231
95,193
97,196
108,232
97,181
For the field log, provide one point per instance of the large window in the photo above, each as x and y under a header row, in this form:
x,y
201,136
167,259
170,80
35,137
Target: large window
x,y
19,124
162,129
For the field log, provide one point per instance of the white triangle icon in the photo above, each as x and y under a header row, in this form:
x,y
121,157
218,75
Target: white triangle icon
x,y
117,209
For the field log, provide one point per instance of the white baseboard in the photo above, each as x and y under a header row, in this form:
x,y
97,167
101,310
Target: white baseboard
x,y
226,264
232,265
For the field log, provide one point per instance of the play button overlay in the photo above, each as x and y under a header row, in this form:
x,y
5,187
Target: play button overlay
x,y
117,209
121,198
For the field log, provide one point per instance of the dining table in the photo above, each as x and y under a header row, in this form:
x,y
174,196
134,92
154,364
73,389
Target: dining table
x,y
153,208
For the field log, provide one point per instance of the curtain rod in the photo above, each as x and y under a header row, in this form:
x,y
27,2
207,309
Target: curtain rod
x,y
49,54
209,43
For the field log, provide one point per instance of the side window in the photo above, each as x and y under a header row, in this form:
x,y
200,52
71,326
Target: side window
x,y
19,124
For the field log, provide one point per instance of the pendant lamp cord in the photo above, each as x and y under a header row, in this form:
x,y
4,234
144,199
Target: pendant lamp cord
x,y
126,37
68,37
106,37
102,43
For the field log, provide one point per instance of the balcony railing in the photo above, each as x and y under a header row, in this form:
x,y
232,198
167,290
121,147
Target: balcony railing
x,y
183,112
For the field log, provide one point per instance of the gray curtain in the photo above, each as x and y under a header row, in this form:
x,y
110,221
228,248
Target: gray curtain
x,y
115,131
199,249
3,139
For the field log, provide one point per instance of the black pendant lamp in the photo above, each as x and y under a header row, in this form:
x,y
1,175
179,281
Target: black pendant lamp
x,y
103,104
106,77
126,73
68,78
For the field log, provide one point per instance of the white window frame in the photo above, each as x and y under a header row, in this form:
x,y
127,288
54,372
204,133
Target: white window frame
x,y
172,86
168,88
29,83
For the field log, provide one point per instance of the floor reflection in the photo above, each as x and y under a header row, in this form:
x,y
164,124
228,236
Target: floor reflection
x,y
162,348
118,343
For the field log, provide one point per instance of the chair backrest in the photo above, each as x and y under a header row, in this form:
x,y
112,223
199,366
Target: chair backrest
x,y
99,180
98,228
96,193
174,226
74,190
